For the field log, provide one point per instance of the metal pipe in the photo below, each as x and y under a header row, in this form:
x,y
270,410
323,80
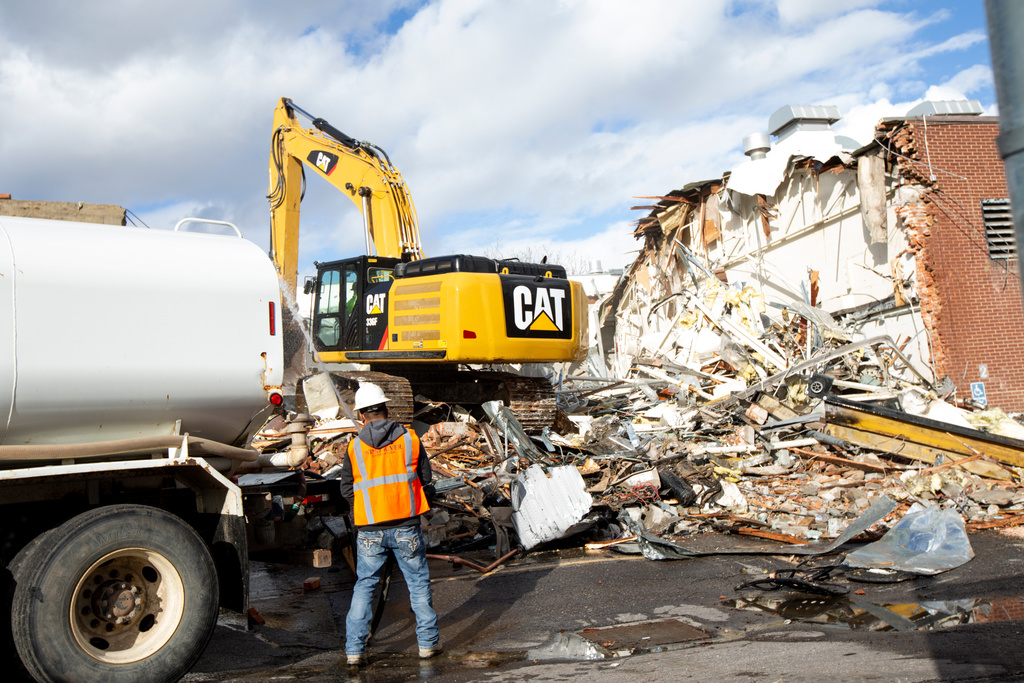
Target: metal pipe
x,y
1006,40
458,561
365,193
102,449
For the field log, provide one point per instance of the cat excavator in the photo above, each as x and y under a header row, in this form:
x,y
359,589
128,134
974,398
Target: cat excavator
x,y
418,322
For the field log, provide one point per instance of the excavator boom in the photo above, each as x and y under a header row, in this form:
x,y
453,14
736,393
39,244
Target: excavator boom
x,y
359,170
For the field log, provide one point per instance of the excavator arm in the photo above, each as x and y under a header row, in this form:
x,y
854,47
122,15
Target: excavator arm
x,y
360,170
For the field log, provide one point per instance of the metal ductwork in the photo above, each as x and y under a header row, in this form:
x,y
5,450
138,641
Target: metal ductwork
x,y
794,117
756,146
947,108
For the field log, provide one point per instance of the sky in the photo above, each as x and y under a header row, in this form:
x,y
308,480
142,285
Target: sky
x,y
520,126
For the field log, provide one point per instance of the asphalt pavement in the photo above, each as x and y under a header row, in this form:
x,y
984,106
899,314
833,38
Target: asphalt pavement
x,y
565,614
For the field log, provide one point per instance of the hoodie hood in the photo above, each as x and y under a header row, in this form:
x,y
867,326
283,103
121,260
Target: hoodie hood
x,y
379,433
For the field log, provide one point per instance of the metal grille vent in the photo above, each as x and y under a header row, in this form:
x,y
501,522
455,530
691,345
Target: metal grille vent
x,y
998,218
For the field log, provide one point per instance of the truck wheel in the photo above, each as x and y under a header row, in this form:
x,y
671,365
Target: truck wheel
x,y
117,594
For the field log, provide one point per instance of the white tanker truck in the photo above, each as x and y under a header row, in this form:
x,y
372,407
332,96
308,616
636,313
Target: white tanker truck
x,y
134,363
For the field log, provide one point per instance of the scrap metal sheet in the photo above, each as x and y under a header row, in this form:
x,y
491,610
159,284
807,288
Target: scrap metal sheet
x,y
655,548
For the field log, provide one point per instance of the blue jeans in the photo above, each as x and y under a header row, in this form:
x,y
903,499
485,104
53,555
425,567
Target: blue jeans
x,y
372,548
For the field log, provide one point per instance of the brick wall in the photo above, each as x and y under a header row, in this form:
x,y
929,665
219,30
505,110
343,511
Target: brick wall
x,y
971,304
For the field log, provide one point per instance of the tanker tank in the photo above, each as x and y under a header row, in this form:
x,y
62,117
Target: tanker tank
x,y
112,332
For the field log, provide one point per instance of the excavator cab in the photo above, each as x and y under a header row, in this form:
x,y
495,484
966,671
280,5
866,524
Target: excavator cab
x,y
350,303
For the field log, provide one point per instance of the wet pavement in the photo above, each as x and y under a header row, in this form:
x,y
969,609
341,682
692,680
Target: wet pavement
x,y
575,613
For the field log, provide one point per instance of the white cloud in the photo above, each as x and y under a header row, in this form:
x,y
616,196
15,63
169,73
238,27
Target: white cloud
x,y
539,120
967,82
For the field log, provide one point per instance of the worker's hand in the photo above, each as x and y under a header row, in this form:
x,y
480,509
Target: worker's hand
x,y
430,493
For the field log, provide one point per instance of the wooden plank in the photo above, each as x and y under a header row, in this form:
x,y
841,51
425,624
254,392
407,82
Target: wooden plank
x,y
924,431
996,523
80,212
771,535
775,408
911,450
842,462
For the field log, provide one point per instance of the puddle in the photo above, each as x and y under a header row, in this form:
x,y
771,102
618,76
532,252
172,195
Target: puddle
x,y
859,614
568,645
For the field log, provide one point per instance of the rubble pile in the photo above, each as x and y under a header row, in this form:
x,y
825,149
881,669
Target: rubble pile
x,y
715,413
793,455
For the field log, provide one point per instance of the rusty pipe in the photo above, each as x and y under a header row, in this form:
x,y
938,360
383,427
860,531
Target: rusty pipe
x,y
458,561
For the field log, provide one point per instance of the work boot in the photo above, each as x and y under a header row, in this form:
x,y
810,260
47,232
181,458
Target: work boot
x,y
356,660
428,652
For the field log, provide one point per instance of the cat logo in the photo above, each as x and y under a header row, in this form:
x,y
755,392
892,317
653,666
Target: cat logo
x,y
534,310
325,161
539,309
375,303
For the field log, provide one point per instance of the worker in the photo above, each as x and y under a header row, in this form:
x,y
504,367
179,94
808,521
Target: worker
x,y
384,485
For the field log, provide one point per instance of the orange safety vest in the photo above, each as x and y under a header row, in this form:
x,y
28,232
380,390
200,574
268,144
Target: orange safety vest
x,y
384,480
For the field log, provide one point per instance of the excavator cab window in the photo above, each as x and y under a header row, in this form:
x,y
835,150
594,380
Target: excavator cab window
x,y
376,275
336,303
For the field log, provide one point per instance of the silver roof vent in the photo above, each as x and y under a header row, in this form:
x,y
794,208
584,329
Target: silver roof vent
x,y
947,108
757,146
795,117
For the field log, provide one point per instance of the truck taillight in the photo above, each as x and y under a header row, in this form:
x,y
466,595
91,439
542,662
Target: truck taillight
x,y
468,334
273,319
276,398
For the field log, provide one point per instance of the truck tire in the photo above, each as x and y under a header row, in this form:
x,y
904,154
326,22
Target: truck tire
x,y
123,593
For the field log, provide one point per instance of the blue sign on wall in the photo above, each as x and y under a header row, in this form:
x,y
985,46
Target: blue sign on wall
x,y
978,393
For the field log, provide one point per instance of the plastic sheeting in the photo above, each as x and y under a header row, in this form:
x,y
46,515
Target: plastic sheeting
x,y
928,540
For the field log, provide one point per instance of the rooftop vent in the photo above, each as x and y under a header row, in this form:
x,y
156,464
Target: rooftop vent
x,y
757,146
795,117
947,108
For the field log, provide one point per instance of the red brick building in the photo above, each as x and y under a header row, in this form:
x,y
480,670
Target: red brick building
x,y
967,270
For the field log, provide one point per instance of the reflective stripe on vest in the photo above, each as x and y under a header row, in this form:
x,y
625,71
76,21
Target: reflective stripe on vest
x,y
367,491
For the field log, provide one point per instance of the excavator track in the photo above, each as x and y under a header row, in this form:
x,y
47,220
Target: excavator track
x,y
531,399
396,388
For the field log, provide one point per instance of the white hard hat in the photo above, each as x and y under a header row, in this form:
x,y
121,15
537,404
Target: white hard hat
x,y
368,395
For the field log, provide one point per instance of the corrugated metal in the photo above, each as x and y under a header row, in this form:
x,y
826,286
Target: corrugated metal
x,y
548,503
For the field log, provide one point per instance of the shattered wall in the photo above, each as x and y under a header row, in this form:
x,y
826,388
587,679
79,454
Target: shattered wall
x,y
817,243
971,302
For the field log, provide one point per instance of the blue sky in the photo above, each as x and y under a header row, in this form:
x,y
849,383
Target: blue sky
x,y
518,125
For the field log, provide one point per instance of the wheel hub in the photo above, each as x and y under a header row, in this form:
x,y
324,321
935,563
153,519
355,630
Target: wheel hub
x,y
117,602
127,605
